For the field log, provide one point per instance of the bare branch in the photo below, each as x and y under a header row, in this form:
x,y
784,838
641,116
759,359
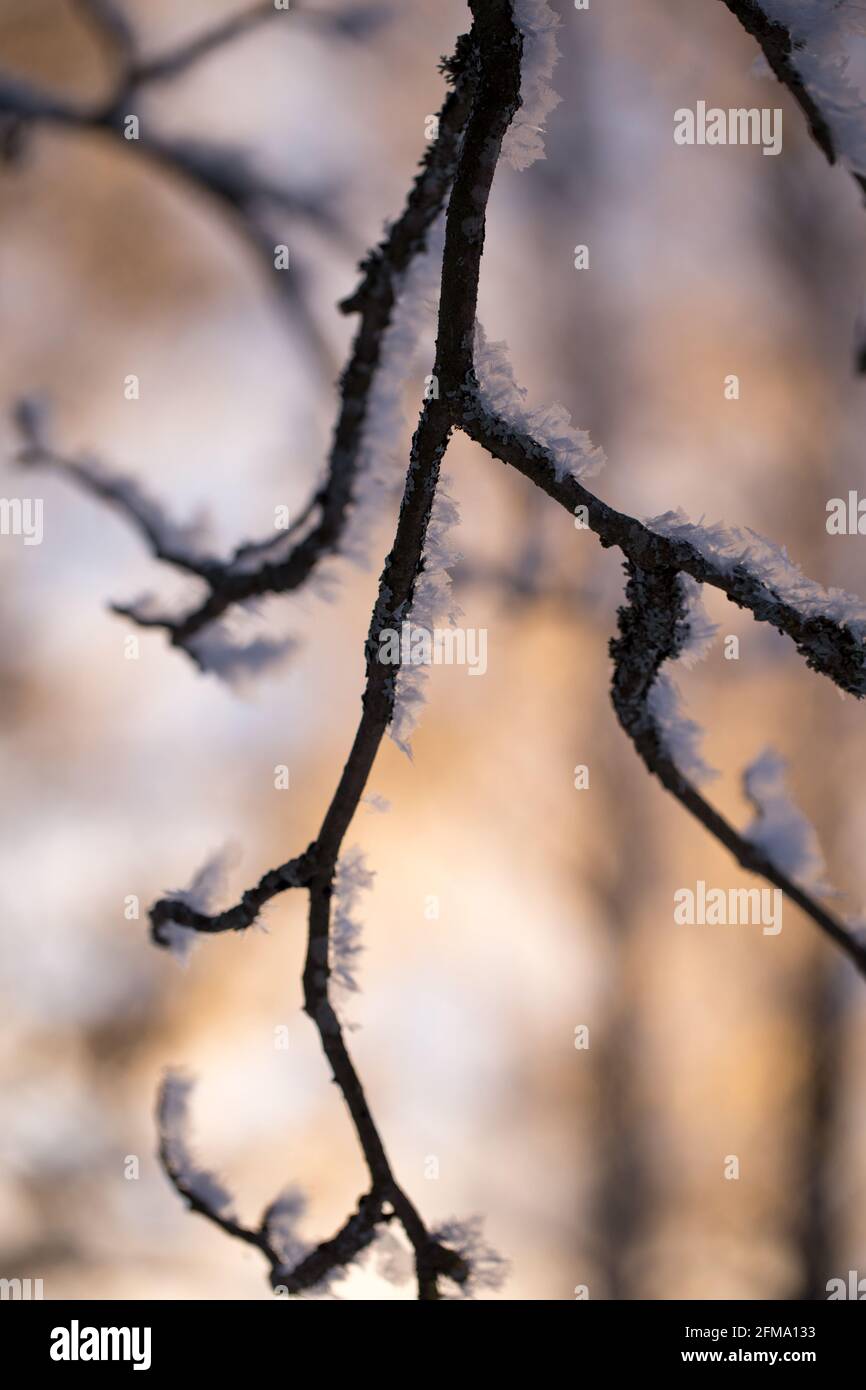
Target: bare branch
x,y
651,628
296,873
832,645
219,172
780,46
203,1192
494,51
172,64
175,545
243,576
112,28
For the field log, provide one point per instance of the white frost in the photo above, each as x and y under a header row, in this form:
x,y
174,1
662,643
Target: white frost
x,y
202,895
433,605
679,735
186,541
380,468
524,140
221,651
393,1260
223,647
574,454
821,30
281,1221
487,1268
701,630
352,878
174,1130
779,828
728,547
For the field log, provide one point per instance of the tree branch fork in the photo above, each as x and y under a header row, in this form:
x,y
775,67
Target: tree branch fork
x,y
458,172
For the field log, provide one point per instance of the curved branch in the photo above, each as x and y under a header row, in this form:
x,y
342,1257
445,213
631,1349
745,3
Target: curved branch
x,y
241,578
833,647
493,52
219,172
779,47
651,633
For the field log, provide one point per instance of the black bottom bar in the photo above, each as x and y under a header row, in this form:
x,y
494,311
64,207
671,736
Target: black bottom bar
x,y
81,1339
